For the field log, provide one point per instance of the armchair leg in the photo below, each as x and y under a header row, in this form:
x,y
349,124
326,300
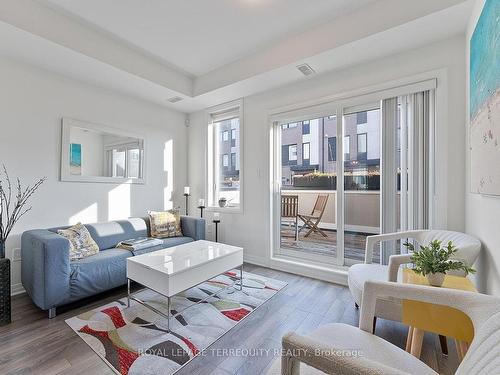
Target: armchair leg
x,y
356,305
444,344
374,324
289,366
52,313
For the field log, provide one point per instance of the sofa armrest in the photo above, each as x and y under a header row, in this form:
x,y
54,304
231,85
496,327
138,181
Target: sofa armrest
x,y
45,268
193,227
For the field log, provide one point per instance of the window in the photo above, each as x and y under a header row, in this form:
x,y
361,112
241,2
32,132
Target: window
x,y
306,152
233,161
124,160
289,155
332,149
306,128
347,141
292,125
224,158
362,152
292,153
361,117
233,137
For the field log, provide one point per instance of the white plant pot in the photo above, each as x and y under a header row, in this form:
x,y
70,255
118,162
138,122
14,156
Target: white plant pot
x,y
436,279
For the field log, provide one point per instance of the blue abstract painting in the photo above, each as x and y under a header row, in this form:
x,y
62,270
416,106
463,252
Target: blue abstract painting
x,y
75,158
485,101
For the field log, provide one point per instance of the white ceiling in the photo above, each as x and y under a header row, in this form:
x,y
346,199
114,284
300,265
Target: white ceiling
x,y
158,49
198,36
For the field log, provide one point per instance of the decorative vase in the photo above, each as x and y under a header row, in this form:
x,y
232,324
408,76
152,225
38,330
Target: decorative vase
x,y
222,202
5,317
436,279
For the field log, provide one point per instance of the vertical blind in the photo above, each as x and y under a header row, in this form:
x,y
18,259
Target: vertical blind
x,y
415,114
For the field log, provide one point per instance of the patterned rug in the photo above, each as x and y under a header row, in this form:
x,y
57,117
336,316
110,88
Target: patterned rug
x,y
135,340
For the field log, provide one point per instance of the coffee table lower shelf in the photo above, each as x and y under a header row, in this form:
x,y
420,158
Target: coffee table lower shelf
x,y
168,315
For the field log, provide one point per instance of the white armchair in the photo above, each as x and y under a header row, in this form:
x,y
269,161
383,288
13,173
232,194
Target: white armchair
x,y
329,349
468,251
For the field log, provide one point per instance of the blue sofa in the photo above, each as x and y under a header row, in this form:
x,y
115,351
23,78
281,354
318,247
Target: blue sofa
x,y
52,280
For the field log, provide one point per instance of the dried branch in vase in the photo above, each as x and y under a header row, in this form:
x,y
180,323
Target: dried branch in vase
x,y
13,202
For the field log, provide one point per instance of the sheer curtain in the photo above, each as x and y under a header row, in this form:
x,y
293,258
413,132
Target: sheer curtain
x,y
406,165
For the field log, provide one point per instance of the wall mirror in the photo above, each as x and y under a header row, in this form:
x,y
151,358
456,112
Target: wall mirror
x,y
97,153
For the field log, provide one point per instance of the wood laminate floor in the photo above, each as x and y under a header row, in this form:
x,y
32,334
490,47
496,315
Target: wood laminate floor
x,y
315,243
33,344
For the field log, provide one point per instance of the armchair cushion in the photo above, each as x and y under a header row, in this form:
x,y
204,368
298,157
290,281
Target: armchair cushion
x,y
349,350
358,274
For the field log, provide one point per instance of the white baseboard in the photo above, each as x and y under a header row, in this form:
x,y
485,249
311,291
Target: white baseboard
x,y
335,275
16,289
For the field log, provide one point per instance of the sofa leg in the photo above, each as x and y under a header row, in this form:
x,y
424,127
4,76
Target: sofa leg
x,y
356,305
52,313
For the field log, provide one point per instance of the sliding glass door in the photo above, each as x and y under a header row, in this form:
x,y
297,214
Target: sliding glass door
x,y
307,193
349,170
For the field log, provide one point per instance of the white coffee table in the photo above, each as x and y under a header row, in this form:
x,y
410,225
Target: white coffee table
x,y
176,269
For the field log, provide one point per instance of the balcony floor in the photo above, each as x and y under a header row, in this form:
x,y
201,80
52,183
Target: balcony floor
x,y
317,244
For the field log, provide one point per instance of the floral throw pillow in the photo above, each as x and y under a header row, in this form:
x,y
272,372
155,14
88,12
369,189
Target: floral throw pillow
x,y
165,223
82,245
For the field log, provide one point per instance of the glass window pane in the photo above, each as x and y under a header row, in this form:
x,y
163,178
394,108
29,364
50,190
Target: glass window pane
x,y
308,186
347,147
228,178
306,148
361,183
292,152
133,163
118,163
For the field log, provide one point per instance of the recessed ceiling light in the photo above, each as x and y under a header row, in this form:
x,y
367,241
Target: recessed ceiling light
x,y
305,69
175,99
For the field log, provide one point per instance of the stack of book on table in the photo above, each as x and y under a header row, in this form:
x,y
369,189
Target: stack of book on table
x,y
139,243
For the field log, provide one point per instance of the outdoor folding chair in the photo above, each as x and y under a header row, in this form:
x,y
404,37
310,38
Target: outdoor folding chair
x,y
289,210
312,221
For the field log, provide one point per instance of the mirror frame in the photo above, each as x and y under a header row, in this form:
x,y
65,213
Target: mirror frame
x,y
66,176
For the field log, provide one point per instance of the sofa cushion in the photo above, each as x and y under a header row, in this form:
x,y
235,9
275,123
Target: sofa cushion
x,y
167,242
81,243
165,224
108,234
100,272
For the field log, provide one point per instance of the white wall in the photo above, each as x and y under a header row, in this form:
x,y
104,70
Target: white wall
x,y
251,229
32,103
482,212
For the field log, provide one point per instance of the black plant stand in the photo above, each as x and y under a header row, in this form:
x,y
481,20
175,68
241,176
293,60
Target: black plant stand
x,y
201,210
187,202
5,316
216,222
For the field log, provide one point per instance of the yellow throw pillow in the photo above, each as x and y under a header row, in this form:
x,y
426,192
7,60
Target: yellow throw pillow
x,y
82,245
165,223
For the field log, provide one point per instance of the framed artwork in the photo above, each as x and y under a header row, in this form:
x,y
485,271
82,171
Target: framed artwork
x,y
75,159
484,106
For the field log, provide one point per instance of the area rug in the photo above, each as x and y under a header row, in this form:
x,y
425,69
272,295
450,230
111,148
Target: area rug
x,y
135,340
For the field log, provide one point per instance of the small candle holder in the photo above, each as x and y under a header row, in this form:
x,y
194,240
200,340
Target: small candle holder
x,y
187,202
201,210
216,222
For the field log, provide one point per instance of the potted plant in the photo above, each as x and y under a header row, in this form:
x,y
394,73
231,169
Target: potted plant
x,y
13,201
433,261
